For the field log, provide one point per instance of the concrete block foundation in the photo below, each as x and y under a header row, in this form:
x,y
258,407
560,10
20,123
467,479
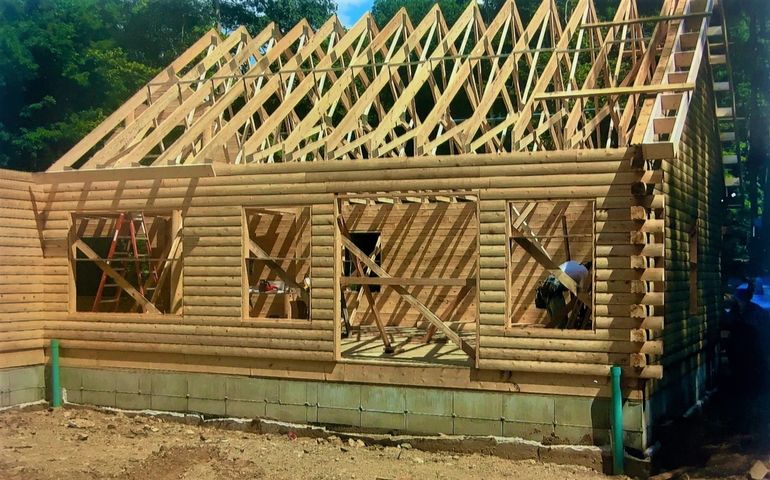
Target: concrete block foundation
x,y
383,409
20,385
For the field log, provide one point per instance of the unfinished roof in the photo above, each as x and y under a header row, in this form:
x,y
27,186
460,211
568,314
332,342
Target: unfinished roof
x,y
413,90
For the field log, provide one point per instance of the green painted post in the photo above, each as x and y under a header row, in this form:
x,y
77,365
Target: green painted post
x,y
55,378
617,423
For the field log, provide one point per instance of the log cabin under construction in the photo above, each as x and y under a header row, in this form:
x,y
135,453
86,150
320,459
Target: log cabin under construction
x,y
349,227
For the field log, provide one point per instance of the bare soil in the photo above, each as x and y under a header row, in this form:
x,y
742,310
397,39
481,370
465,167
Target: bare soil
x,y
87,444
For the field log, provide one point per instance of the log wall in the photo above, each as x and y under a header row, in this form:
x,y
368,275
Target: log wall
x,y
213,333
27,287
694,190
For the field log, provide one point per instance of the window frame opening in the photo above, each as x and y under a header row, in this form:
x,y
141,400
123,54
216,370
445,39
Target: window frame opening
x,y
127,262
277,263
543,248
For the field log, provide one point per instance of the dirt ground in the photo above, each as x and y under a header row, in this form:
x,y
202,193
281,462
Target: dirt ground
x,y
723,441
86,444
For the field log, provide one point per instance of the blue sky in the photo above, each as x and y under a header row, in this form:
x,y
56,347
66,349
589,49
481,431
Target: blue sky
x,y
349,11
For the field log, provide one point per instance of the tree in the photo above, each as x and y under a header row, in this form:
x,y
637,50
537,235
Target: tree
x,y
384,10
256,14
748,31
61,69
67,64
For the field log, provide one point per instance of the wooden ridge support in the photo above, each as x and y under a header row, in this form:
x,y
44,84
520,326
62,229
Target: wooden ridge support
x,y
647,89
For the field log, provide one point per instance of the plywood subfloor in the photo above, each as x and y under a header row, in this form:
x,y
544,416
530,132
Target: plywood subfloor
x,y
409,346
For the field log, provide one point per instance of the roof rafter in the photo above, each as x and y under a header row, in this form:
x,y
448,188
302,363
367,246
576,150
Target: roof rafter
x,y
403,90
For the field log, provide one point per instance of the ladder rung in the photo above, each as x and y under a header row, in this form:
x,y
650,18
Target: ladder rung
x,y
724,112
730,160
714,31
718,59
678,77
688,41
670,101
727,136
721,86
111,300
683,60
664,125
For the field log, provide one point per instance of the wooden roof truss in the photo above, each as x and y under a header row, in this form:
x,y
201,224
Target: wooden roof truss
x,y
411,90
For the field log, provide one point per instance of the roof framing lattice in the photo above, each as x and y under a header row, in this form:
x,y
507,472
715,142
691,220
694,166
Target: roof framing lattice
x,y
412,90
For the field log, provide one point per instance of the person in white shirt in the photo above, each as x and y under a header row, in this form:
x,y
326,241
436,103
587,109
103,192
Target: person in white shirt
x,y
551,294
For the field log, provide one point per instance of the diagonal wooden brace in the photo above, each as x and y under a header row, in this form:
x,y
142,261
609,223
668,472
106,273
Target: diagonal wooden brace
x,y
530,243
367,289
273,265
122,282
409,298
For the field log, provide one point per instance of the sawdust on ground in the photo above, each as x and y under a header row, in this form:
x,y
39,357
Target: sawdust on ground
x,y
85,444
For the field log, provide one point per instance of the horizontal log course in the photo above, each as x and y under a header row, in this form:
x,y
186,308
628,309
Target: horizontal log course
x,y
515,176
652,371
297,344
269,173
17,345
209,271
576,345
219,221
649,323
122,203
556,357
202,350
537,331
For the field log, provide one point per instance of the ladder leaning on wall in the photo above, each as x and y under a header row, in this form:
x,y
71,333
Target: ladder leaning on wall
x,y
137,236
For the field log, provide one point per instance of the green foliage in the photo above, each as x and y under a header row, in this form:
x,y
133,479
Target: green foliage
x,y
748,237
384,10
67,64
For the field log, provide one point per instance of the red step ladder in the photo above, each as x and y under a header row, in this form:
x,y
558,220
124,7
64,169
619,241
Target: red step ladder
x,y
127,248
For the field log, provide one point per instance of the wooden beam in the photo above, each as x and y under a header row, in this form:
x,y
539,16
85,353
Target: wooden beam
x,y
422,282
615,91
126,173
654,19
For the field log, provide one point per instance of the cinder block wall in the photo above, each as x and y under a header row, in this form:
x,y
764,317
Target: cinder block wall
x,y
573,420
20,385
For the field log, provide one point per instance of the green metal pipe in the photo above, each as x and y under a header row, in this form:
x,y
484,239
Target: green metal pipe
x,y
617,423
55,378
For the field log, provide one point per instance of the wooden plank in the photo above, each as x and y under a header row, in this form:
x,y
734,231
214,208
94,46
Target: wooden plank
x,y
434,282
